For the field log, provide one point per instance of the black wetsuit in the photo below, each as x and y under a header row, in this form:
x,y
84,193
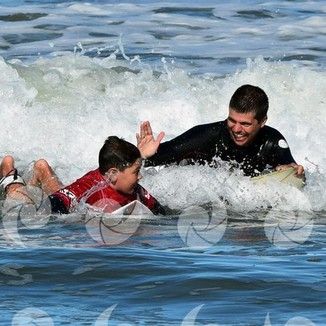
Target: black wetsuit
x,y
204,143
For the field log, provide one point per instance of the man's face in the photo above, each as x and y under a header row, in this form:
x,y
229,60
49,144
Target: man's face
x,y
243,127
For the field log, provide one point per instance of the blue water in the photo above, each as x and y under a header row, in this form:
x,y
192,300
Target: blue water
x,y
74,72
153,279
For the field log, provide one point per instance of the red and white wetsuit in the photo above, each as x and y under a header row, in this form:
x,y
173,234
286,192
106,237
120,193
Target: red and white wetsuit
x,y
94,190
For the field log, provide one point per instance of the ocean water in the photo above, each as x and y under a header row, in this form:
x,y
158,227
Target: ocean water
x,y
73,73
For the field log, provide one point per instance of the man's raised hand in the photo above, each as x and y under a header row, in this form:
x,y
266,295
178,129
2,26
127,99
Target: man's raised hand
x,y
146,142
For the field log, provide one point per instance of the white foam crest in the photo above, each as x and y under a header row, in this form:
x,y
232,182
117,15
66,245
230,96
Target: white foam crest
x,y
182,20
316,22
66,107
201,185
316,190
63,109
250,31
303,28
89,9
177,29
119,10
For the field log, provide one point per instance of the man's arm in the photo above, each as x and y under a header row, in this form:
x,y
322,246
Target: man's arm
x,y
285,158
189,145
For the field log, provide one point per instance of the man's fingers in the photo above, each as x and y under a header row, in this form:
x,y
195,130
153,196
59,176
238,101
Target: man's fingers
x,y
142,130
299,168
149,129
145,129
160,136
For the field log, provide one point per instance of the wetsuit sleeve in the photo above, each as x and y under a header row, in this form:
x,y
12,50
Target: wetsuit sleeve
x,y
63,201
189,145
277,150
284,155
148,200
69,196
59,205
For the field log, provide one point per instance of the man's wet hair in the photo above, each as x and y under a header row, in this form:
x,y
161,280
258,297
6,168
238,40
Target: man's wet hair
x,y
117,153
248,98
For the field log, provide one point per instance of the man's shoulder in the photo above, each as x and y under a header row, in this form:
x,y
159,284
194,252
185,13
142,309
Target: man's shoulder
x,y
216,124
273,138
211,127
272,132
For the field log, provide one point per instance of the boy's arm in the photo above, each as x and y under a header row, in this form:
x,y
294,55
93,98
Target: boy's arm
x,y
148,200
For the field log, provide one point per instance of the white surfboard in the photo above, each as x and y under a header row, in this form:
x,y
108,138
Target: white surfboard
x,y
284,176
116,227
133,208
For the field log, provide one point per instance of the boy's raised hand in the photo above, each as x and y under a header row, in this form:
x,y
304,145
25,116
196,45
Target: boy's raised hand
x,y
146,143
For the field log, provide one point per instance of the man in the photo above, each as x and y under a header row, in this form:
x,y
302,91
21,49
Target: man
x,y
242,139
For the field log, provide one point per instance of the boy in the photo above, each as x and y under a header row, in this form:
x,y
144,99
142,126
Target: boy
x,y
112,185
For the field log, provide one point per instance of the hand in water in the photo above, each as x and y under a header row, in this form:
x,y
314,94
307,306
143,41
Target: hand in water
x,y
299,169
146,142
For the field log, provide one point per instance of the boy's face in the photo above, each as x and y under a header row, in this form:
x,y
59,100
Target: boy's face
x,y
128,178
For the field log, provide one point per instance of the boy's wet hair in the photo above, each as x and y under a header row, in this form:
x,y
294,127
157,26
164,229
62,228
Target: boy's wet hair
x,y
248,98
117,153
